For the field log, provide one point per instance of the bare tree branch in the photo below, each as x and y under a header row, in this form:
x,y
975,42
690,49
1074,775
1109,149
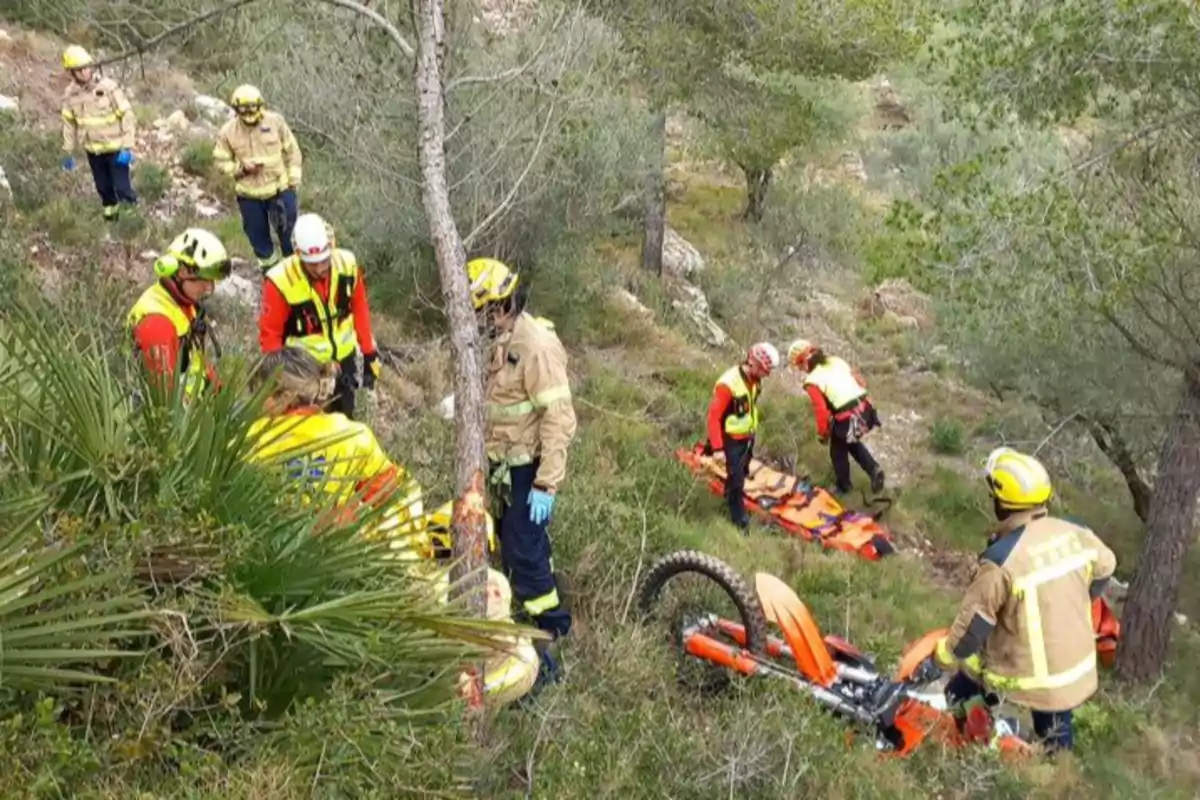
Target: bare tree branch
x,y
506,203
213,13
201,18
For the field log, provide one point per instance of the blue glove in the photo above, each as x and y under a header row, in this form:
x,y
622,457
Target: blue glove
x,y
68,164
124,158
540,505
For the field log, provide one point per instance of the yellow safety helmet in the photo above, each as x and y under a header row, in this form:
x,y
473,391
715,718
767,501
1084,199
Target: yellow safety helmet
x,y
198,249
1016,480
75,57
799,352
491,281
246,96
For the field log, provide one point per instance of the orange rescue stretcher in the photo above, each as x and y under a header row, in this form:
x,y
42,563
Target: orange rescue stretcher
x,y
796,505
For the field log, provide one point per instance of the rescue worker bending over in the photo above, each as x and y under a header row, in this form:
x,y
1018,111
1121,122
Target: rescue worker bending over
x,y
167,323
1024,628
509,674
339,455
531,423
317,299
259,151
843,411
733,423
97,115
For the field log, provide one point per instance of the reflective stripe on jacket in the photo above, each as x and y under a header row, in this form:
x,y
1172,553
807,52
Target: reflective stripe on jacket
x,y
530,414
269,142
742,419
97,116
1025,623
157,300
835,379
324,328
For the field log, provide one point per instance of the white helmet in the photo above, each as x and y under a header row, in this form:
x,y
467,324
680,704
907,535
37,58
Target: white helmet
x,y
311,240
764,356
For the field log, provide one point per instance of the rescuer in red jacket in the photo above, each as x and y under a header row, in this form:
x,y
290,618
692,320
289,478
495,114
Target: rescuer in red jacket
x,y
733,423
317,300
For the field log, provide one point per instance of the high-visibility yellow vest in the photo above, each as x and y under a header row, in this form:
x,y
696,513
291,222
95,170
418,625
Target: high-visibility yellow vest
x,y
743,418
157,300
323,328
837,382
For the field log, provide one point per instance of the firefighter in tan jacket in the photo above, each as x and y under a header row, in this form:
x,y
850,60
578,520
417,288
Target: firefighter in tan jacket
x,y
531,422
260,153
1024,628
98,117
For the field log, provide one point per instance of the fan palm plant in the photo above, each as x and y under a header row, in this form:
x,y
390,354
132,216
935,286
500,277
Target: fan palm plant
x,y
278,607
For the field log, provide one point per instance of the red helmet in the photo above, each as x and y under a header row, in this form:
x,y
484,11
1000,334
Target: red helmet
x,y
763,356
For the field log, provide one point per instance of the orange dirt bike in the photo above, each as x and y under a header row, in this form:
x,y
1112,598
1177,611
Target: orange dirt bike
x,y
901,710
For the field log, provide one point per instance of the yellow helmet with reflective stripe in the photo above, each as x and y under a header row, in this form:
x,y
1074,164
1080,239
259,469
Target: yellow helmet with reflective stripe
x,y
246,96
75,57
490,280
1016,480
198,249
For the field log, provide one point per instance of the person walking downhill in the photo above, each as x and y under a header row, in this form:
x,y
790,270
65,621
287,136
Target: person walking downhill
x,y
98,116
259,151
844,413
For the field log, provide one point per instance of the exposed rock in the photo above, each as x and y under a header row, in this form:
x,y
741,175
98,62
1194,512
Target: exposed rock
x,y
906,304
148,255
680,258
178,121
212,110
4,184
8,103
207,211
4,37
629,302
692,303
238,289
445,409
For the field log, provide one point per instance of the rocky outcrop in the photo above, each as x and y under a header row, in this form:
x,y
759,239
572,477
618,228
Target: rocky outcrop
x,y
692,303
680,258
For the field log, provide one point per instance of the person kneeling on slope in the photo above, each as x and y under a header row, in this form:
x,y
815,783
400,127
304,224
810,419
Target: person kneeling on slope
x,y
327,449
733,423
1024,628
508,674
844,413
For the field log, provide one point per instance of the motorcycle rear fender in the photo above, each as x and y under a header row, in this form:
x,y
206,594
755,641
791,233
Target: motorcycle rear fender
x,y
781,606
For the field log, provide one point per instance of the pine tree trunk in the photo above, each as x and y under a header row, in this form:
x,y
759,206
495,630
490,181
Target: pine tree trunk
x,y
470,534
758,181
656,198
1149,608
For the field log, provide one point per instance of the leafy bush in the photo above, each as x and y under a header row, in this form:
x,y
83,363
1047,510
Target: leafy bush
x,y
151,509
152,182
946,437
30,160
196,158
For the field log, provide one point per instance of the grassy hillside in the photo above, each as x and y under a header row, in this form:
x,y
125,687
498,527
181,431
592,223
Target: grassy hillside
x,y
618,727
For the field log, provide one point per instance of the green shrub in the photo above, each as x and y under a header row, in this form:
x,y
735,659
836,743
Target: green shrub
x,y
65,223
31,163
196,158
946,437
151,181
